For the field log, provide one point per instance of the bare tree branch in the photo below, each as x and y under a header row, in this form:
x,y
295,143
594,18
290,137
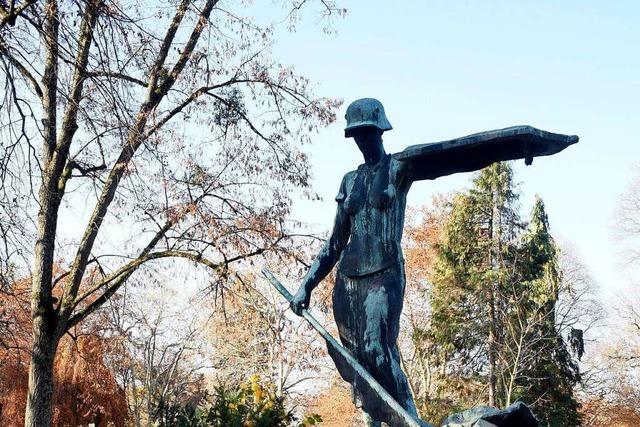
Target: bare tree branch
x,y
134,140
21,68
8,16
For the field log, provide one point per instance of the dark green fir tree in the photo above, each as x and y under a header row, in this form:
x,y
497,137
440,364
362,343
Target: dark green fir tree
x,y
495,286
552,374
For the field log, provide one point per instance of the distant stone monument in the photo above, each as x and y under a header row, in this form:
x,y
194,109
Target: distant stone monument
x,y
365,244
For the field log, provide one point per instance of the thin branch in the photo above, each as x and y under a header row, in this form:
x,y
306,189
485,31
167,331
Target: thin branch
x,y
116,75
21,68
9,16
119,277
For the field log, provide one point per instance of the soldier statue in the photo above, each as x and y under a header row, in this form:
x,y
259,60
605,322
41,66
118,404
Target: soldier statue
x,y
365,240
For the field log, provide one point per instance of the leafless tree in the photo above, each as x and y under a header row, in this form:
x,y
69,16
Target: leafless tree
x,y
268,339
613,395
158,352
157,130
627,228
579,305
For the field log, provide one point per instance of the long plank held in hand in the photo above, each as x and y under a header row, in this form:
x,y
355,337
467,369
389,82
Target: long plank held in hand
x,y
523,140
406,417
477,151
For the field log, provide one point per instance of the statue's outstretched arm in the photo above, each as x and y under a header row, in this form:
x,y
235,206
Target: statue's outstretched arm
x,y
325,260
473,152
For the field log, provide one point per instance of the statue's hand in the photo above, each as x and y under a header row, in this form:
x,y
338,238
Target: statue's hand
x,y
300,301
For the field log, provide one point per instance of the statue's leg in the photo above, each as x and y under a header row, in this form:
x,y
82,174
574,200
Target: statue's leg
x,y
382,305
367,313
344,301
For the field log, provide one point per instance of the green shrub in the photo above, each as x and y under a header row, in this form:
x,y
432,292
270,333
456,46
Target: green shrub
x,y
250,404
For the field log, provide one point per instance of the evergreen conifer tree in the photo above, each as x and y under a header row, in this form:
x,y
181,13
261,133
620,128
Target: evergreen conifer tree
x,y
473,267
494,291
552,374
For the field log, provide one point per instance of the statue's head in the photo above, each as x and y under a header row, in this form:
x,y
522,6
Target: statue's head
x,y
366,121
365,112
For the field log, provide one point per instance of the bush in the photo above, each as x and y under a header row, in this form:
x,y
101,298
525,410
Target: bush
x,y
250,404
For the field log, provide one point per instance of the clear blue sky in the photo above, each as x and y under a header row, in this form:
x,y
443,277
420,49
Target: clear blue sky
x,y
445,69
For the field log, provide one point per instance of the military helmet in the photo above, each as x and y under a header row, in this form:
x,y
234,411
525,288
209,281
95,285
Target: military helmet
x,y
365,112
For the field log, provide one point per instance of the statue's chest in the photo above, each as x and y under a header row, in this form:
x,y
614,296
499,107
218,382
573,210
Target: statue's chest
x,y
370,188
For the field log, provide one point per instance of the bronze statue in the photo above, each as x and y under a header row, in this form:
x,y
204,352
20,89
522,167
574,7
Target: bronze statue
x,y
365,240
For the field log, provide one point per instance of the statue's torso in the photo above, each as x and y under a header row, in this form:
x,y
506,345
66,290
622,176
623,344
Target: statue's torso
x,y
375,199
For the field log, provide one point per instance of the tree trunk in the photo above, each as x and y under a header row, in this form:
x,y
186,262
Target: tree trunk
x,y
40,392
492,356
494,251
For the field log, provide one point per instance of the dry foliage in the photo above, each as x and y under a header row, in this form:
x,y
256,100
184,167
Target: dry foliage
x,y
85,391
604,413
422,233
335,407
